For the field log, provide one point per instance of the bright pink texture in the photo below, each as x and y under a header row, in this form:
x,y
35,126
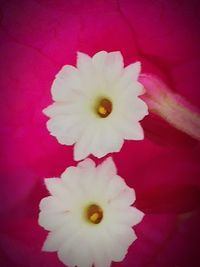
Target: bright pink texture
x,y
36,39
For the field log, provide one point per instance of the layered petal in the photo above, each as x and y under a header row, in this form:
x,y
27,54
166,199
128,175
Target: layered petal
x,y
91,98
97,228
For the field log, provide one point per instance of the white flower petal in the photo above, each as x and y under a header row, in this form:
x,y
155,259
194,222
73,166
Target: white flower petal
x,y
54,240
100,257
67,82
99,60
115,186
137,88
56,188
72,184
78,239
68,174
130,74
108,140
59,108
51,221
129,216
82,254
142,106
127,101
72,254
114,65
81,149
118,193
67,129
138,133
87,164
107,167
76,117
141,109
130,130
96,146
115,251
84,62
123,235
52,204
89,78
137,215
54,109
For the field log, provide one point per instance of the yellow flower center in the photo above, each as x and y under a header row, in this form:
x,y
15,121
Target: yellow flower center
x,y
94,214
104,107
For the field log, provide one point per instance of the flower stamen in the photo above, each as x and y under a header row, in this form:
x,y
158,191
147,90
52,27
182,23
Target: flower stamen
x,y
104,107
94,214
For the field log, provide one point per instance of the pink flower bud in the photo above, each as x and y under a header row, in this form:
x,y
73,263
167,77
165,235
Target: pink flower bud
x,y
172,107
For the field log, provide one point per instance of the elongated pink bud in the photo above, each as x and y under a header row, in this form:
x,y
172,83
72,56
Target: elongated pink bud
x,y
171,106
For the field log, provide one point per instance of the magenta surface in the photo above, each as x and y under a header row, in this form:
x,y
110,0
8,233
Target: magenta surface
x,y
36,39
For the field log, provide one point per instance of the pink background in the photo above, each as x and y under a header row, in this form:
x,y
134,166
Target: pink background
x,y
36,39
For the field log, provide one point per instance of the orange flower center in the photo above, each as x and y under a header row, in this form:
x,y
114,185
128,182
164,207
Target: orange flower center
x,y
104,108
94,214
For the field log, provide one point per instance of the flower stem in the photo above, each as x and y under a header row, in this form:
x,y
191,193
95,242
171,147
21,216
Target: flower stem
x,y
172,107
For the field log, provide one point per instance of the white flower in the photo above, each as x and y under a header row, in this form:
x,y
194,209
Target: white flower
x,y
89,215
96,105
